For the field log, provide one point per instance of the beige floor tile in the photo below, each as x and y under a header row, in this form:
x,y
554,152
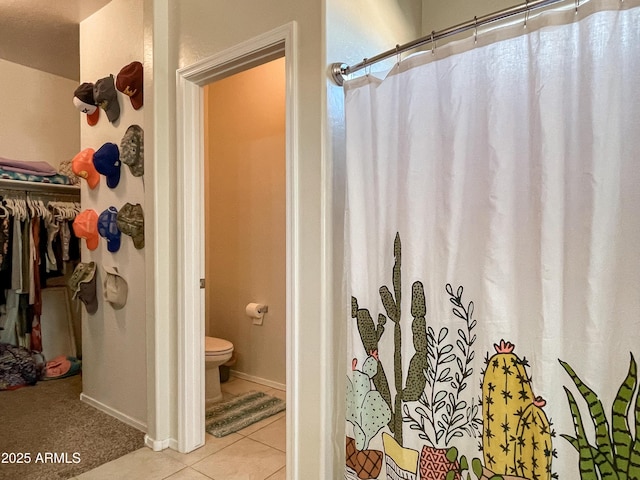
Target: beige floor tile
x,y
237,386
242,460
212,445
274,435
142,464
279,475
188,474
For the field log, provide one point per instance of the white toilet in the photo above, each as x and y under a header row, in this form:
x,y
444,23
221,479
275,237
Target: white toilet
x,y
217,351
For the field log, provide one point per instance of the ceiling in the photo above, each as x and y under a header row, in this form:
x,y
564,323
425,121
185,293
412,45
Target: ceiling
x,y
45,34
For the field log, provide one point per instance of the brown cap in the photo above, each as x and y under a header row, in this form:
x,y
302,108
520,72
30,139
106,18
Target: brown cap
x,y
130,82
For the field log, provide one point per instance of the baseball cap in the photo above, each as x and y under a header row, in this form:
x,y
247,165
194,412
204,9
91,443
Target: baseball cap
x,y
83,285
115,288
85,226
132,150
130,82
82,165
108,228
83,101
107,162
105,95
131,222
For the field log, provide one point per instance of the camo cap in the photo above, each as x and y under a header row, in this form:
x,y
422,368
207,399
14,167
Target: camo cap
x,y
83,285
131,222
132,150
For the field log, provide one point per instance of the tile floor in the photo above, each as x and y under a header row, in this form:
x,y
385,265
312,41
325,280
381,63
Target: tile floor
x,y
256,452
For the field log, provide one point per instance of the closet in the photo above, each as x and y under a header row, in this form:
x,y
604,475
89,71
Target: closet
x,y
38,253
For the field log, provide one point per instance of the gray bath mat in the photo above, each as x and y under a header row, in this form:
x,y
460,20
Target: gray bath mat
x,y
232,415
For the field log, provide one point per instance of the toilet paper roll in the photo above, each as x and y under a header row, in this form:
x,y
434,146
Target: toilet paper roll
x,y
255,310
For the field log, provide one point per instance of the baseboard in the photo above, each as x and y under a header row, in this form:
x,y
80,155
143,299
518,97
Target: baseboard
x,y
159,445
113,412
261,381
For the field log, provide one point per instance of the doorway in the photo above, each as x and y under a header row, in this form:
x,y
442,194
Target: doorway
x,y
272,45
245,218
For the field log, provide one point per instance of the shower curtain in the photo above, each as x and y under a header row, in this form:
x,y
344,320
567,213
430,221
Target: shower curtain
x,y
493,256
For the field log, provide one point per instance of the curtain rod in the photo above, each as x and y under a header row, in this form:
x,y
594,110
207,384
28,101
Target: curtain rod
x,y
339,70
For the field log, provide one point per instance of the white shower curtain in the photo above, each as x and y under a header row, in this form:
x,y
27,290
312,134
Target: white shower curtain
x,y
493,256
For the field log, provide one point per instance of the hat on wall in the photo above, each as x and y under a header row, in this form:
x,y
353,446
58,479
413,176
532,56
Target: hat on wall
x,y
83,285
105,95
132,150
85,226
84,101
82,165
130,82
115,288
131,222
108,228
107,162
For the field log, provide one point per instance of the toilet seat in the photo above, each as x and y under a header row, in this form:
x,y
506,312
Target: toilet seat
x,y
217,346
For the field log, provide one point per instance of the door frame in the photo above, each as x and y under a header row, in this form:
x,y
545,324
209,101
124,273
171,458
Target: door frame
x,y
190,223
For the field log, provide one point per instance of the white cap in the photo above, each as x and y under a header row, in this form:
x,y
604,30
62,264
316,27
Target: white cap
x,y
115,288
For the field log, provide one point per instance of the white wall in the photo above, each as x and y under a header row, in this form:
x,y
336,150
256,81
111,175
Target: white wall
x,y
197,29
438,15
38,121
245,217
114,341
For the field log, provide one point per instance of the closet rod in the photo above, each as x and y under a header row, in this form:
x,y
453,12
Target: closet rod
x,y
38,187
339,70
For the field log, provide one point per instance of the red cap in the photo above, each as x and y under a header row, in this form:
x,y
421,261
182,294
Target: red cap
x,y
82,165
85,226
130,82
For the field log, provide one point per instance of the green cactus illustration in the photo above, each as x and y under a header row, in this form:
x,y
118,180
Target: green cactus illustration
x,y
475,470
366,409
615,453
516,437
418,364
370,334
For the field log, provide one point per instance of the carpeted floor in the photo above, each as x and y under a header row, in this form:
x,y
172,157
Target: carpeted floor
x,y
49,418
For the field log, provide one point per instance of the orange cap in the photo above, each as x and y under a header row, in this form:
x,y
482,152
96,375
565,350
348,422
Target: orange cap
x,y
82,166
85,226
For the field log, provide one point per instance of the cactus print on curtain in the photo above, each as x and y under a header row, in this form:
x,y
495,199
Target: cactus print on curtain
x,y
493,258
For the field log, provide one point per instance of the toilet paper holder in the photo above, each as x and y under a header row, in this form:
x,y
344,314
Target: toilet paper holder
x,y
256,312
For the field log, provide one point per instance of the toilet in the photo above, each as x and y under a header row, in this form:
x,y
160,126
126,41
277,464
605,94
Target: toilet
x,y
217,351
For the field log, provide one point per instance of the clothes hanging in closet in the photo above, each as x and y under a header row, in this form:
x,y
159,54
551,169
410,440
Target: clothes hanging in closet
x,y
36,245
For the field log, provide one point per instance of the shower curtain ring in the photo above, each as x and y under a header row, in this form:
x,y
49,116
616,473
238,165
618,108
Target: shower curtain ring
x,y
577,5
475,29
526,14
397,53
433,44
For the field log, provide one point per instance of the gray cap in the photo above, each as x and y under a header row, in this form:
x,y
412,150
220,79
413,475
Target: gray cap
x,y
105,95
132,150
